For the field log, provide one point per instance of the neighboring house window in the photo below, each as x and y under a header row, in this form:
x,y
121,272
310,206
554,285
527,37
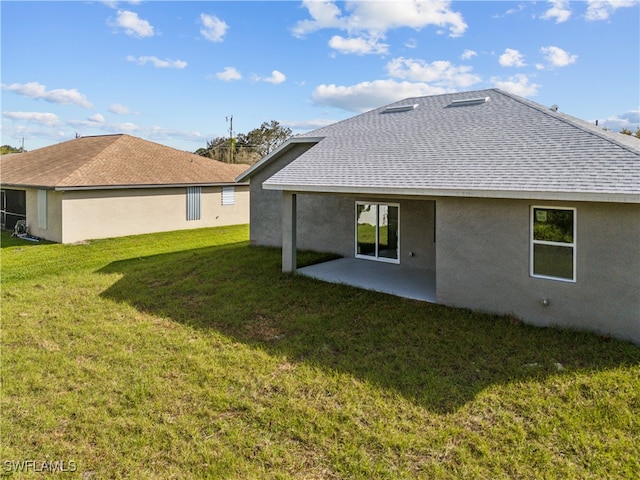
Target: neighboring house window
x,y
228,196
377,231
553,243
194,195
42,209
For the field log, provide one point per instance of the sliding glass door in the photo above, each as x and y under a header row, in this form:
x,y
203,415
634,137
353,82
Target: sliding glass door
x,y
377,228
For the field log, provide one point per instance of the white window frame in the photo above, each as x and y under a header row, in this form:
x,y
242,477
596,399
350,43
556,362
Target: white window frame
x,y
228,196
572,245
42,209
376,258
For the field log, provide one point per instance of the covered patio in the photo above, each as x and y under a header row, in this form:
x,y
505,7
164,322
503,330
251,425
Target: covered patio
x,y
382,277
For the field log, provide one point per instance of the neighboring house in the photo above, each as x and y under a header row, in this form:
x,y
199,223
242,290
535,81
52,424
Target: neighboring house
x,y
511,207
116,185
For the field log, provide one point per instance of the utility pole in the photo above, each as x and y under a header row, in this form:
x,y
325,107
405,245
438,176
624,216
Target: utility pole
x,y
230,120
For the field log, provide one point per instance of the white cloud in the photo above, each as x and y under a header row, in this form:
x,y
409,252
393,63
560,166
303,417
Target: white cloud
x,y
518,85
511,11
132,24
416,14
21,132
629,120
511,58
324,14
360,46
97,118
367,95
275,78
119,109
632,116
37,90
603,9
307,125
97,123
228,74
559,10
365,21
114,3
468,54
558,57
156,62
411,43
41,118
213,28
441,73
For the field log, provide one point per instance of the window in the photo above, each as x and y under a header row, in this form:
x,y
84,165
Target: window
x,y
377,228
193,203
228,196
14,207
553,243
3,208
42,209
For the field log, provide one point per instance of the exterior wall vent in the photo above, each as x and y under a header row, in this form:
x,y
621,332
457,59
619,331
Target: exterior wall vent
x,y
468,101
400,108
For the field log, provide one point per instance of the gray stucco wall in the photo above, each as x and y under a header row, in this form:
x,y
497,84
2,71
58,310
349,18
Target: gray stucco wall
x,y
483,250
265,211
326,223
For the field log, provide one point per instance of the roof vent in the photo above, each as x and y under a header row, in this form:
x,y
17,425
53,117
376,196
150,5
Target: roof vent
x,y
554,107
400,108
468,101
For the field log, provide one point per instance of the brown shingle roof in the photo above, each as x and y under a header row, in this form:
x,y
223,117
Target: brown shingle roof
x,y
110,161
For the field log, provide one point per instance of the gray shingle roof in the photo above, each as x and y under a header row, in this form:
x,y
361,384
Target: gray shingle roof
x,y
109,161
505,147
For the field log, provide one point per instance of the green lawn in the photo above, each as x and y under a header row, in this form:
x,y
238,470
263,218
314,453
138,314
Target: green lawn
x,y
190,355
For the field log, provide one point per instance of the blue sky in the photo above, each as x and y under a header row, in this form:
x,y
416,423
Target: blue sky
x,y
174,72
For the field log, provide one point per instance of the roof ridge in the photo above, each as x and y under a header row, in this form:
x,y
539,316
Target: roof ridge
x,y
569,120
92,159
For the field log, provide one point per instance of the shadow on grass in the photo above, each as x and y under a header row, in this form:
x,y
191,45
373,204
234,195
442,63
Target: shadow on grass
x,y
436,356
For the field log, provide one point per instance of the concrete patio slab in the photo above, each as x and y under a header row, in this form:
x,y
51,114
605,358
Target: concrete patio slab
x,y
383,277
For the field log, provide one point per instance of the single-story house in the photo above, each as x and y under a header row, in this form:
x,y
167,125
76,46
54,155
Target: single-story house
x,y
490,201
115,185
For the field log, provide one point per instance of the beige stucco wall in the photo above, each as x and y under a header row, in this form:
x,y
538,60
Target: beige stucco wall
x,y
53,232
112,213
483,248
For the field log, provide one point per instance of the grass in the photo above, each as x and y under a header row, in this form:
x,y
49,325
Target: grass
x,y
190,355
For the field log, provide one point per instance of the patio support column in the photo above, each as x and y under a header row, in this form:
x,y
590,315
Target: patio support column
x,y
289,246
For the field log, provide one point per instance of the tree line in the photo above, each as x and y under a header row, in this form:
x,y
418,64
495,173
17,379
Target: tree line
x,y
5,149
626,131
247,147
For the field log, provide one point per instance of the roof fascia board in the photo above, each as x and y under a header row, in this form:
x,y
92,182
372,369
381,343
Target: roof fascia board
x,y
467,193
256,167
122,187
173,185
